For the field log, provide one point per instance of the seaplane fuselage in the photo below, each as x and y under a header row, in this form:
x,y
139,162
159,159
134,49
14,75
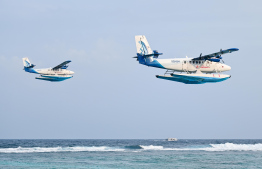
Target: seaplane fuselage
x,y
187,65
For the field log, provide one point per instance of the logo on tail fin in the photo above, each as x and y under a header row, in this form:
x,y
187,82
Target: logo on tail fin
x,y
27,63
143,48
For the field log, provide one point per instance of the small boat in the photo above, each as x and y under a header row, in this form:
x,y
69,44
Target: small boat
x,y
171,139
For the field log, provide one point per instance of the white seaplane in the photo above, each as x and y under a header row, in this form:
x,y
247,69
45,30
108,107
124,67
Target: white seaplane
x,y
199,70
55,74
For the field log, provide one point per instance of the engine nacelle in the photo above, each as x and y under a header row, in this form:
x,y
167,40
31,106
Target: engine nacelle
x,y
214,60
64,67
218,57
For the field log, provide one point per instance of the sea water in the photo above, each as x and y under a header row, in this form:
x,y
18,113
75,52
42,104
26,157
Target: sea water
x,y
152,153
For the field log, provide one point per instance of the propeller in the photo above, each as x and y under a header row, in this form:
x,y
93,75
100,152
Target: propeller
x,y
219,57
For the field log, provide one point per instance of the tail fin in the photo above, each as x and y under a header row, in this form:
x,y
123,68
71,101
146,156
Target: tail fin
x,y
142,46
27,63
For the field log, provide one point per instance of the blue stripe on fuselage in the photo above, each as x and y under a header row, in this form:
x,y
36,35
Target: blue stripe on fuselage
x,y
143,60
155,63
30,70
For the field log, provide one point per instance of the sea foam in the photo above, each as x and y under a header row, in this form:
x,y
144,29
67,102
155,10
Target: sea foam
x,y
224,147
210,147
151,147
235,147
56,149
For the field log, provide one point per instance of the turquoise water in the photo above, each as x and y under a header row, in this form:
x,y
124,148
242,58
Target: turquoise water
x,y
130,154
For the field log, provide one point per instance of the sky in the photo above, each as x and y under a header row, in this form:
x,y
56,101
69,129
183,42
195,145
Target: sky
x,y
111,95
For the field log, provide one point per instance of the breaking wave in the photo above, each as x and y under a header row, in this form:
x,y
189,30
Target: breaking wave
x,y
225,147
151,147
56,149
235,147
210,147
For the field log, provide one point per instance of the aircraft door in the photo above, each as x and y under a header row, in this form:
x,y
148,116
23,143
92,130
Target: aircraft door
x,y
185,66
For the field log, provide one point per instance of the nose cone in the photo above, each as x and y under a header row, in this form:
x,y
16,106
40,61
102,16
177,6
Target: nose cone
x,y
71,72
227,68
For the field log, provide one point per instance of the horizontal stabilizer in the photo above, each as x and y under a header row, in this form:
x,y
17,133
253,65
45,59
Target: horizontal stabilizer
x,y
153,54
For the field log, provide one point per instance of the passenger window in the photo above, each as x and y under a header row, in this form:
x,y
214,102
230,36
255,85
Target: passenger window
x,y
193,62
184,62
196,62
190,62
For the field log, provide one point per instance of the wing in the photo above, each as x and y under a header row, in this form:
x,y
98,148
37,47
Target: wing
x,y
61,65
216,55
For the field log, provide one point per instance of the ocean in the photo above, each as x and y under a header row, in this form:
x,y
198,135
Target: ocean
x,y
142,153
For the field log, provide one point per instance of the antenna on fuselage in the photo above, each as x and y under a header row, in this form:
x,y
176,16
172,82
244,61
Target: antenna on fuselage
x,y
200,56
